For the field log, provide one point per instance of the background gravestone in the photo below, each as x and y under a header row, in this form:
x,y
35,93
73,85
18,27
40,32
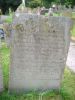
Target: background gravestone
x,y
39,50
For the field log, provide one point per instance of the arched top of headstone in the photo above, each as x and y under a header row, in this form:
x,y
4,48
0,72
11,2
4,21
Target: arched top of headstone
x,y
33,20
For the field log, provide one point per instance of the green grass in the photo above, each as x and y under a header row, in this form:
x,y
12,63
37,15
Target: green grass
x,y
73,14
9,19
5,63
67,91
68,85
73,31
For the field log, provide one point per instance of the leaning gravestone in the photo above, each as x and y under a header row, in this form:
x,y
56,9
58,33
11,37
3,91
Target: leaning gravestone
x,y
39,50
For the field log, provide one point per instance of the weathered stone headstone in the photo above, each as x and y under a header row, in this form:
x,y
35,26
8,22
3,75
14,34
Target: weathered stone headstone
x,y
43,12
67,13
38,52
34,11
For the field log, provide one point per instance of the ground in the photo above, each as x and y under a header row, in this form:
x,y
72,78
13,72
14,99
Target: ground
x,y
71,56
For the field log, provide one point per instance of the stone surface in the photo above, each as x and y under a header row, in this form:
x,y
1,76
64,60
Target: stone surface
x,y
39,50
67,13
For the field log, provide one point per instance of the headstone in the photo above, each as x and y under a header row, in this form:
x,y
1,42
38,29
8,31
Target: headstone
x,y
43,12
39,50
25,10
67,13
60,8
34,11
50,13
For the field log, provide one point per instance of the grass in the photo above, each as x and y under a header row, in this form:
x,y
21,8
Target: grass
x,y
5,63
8,20
73,14
73,31
67,91
68,85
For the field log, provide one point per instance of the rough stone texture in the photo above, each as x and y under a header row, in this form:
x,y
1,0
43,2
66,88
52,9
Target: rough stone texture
x,y
67,13
7,37
39,50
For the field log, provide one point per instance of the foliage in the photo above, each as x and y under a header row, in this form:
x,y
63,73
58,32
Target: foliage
x,y
33,3
36,3
47,3
6,4
68,85
13,4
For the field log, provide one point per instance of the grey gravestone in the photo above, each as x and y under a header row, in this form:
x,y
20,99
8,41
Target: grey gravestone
x,y
38,52
43,12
